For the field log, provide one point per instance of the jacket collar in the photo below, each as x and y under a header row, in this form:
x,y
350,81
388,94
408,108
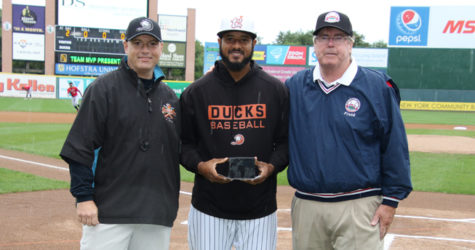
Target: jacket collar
x,y
345,79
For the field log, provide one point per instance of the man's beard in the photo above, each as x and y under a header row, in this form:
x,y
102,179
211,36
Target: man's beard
x,y
235,66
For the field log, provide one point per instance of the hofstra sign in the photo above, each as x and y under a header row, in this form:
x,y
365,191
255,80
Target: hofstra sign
x,y
434,27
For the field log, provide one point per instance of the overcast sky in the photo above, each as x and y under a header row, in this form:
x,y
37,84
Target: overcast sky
x,y
369,17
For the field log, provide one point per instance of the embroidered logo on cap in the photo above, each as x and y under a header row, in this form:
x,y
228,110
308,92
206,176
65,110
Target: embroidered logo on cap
x,y
236,23
145,25
238,140
332,17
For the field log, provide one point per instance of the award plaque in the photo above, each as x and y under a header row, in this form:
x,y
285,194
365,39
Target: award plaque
x,y
242,168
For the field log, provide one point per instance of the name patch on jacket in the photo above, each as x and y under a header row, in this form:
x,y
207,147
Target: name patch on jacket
x,y
230,117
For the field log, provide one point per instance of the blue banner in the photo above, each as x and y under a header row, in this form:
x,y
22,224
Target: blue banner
x,y
82,69
276,54
211,54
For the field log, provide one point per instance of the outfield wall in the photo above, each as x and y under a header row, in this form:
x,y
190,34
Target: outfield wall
x,y
437,75
11,85
52,86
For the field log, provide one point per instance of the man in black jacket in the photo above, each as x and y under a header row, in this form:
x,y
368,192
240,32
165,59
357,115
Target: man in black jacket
x,y
123,150
234,117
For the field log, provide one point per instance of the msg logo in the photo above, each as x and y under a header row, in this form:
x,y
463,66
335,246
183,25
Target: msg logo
x,y
462,26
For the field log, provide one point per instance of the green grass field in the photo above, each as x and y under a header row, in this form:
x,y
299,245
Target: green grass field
x,y
448,173
36,105
14,181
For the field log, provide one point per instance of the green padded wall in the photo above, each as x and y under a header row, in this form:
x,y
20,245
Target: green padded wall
x,y
428,68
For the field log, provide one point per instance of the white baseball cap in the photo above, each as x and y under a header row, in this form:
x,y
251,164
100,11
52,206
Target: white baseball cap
x,y
237,23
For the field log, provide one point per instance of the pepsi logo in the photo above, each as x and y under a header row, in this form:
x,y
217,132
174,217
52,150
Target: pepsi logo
x,y
409,21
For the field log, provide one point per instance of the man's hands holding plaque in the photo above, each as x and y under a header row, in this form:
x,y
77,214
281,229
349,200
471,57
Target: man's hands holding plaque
x,y
246,169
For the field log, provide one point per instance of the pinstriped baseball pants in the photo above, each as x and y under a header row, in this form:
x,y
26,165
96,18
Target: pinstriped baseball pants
x,y
206,232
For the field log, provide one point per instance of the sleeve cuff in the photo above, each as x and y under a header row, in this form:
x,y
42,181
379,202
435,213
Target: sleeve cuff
x,y
389,201
81,198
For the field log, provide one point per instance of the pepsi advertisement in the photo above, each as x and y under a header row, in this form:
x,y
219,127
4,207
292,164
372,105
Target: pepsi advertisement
x,y
409,26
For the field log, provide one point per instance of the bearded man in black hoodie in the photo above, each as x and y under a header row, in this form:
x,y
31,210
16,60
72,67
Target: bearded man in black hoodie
x,y
233,118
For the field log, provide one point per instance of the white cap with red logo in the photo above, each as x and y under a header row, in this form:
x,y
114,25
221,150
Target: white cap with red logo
x,y
237,23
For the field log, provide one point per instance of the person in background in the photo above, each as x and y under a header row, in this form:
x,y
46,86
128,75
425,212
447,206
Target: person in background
x,y
27,88
123,150
348,152
236,110
73,91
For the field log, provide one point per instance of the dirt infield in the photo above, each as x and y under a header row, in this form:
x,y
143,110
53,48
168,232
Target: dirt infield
x,y
46,219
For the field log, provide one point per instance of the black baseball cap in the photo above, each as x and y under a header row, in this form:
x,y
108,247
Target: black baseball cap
x,y
143,26
334,19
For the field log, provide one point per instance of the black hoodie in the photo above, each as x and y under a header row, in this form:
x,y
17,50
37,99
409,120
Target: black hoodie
x,y
224,118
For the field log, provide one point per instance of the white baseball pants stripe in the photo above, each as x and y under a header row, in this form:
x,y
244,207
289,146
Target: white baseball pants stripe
x,y
206,232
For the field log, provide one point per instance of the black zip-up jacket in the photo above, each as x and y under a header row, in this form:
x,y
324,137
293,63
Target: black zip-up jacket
x,y
136,133
224,118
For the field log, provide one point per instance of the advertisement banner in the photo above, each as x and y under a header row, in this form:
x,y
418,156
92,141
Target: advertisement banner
x,y
177,86
312,57
409,26
28,19
211,54
452,27
82,69
366,57
79,82
259,55
30,47
173,55
112,14
13,85
372,57
173,27
440,106
282,73
286,55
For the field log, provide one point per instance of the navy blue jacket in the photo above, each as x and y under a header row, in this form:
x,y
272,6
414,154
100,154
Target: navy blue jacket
x,y
349,143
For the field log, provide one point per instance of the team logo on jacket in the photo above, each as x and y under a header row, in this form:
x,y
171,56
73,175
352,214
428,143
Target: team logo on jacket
x,y
168,112
238,140
351,106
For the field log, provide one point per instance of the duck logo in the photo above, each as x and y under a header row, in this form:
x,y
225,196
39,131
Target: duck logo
x,y
238,140
409,21
168,112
